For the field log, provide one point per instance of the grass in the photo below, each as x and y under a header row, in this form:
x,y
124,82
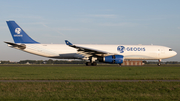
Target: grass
x,y
91,91
81,72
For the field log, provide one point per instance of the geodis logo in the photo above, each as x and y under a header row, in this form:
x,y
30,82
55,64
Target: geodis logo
x,y
121,49
18,32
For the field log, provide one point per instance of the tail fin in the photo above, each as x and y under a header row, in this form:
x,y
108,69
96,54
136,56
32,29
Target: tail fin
x,y
18,33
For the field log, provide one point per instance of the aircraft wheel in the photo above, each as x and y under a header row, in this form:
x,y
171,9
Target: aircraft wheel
x,y
94,64
88,63
120,64
159,64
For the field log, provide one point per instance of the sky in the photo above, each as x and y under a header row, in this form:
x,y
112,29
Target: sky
x,y
134,22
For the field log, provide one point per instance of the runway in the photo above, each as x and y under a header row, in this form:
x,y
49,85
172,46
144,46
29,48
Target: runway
x,y
89,80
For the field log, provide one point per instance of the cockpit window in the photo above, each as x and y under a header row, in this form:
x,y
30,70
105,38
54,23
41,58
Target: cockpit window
x,y
170,50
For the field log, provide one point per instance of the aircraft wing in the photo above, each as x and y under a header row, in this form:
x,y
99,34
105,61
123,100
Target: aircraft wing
x,y
88,51
21,46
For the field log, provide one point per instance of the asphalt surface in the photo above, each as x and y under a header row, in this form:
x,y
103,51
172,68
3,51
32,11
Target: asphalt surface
x,y
89,80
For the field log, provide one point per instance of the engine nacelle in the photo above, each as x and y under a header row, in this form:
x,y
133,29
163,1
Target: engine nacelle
x,y
116,59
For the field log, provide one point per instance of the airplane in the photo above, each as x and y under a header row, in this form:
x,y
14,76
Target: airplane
x,y
113,54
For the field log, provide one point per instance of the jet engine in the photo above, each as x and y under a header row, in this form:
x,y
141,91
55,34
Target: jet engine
x,y
115,59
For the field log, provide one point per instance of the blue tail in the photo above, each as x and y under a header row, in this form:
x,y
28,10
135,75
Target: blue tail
x,y
18,34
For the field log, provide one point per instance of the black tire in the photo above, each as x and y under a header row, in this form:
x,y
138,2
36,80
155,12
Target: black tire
x,y
159,64
88,64
94,64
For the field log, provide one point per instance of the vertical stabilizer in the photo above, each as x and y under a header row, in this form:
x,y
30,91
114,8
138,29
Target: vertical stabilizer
x,y
18,34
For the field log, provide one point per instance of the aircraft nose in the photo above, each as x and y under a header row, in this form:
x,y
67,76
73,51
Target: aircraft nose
x,y
174,53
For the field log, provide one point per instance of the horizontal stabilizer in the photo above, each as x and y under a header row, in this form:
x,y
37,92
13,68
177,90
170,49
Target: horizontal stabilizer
x,y
21,46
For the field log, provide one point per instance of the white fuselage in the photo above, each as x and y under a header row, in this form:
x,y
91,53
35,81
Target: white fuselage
x,y
62,51
102,53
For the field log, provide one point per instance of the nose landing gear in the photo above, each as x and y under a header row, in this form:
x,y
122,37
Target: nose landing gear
x,y
159,63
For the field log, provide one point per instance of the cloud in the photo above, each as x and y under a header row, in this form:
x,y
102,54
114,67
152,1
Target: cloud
x,y
68,29
118,24
103,15
27,17
55,30
33,17
3,27
178,27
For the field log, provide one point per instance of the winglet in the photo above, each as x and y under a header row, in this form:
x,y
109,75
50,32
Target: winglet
x,y
68,43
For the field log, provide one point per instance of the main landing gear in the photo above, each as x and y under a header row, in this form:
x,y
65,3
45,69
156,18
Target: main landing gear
x,y
92,61
91,64
159,63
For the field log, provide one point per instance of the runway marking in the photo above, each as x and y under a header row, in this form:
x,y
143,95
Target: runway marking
x,y
89,80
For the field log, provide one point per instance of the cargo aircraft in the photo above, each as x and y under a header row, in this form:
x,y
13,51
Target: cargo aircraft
x,y
114,54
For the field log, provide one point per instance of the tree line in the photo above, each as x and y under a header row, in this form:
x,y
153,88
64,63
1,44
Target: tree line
x,y
50,61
